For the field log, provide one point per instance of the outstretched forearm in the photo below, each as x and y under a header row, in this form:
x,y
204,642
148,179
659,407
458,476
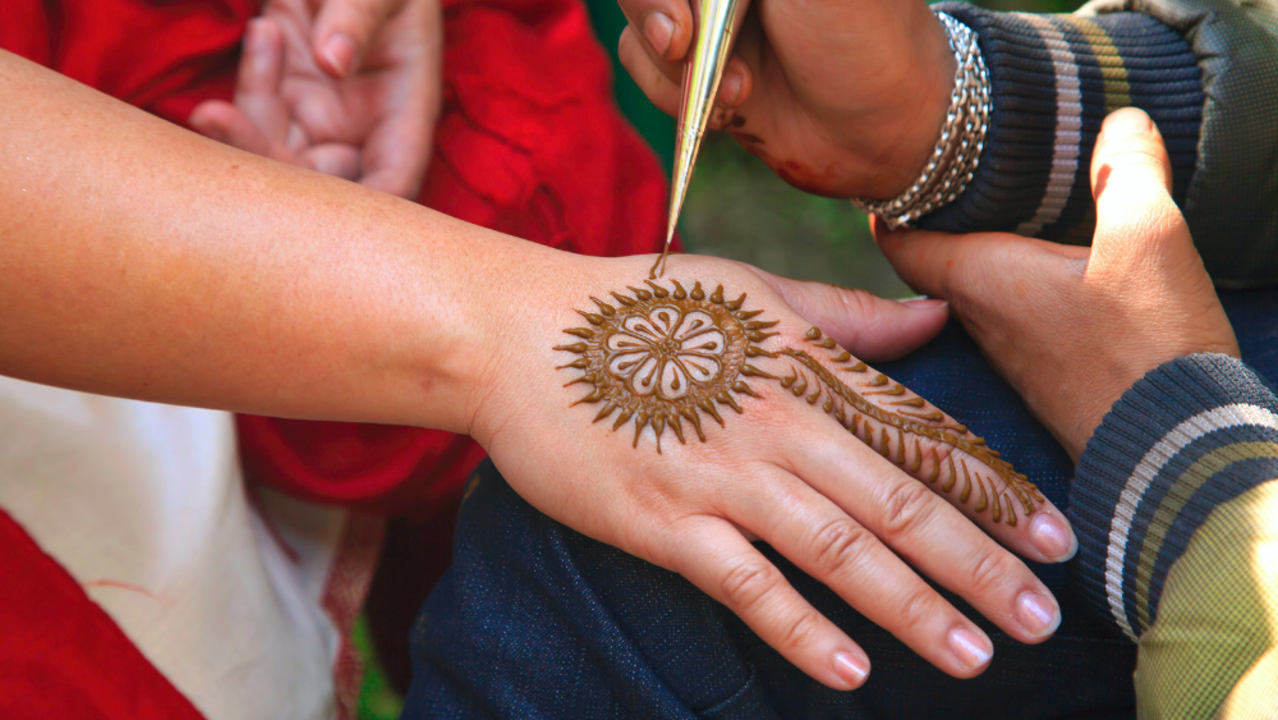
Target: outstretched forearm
x,y
144,261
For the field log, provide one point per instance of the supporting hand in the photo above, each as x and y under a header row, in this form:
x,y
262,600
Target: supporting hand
x,y
703,413
844,98
346,87
1072,328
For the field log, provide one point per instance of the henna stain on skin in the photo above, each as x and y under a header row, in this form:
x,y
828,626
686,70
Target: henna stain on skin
x,y
662,356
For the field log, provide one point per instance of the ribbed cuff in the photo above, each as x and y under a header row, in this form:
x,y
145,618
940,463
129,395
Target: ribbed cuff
x,y
1192,434
1054,79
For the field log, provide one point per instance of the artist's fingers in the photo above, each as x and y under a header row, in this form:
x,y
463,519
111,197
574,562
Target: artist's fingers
x,y
866,325
344,29
665,26
716,558
845,555
921,526
662,89
661,79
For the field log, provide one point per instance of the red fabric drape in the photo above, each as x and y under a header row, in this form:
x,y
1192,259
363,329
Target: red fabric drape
x,y
61,656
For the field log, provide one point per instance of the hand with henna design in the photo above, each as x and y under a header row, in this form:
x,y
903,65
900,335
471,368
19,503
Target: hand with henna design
x,y
705,409
843,98
1137,298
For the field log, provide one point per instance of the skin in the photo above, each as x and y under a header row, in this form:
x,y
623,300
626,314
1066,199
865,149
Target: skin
x,y
159,265
350,88
1138,297
843,98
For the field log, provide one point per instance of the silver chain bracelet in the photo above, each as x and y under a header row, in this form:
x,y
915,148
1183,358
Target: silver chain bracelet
x,y
958,151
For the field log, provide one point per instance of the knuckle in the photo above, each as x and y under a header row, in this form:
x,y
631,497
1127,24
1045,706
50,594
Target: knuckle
x,y
907,507
860,304
749,582
838,544
801,632
917,606
990,571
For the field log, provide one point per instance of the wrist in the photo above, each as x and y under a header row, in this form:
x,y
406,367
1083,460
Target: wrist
x,y
912,120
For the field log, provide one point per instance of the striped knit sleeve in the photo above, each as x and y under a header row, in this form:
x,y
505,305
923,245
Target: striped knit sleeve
x,y
1175,504
1054,79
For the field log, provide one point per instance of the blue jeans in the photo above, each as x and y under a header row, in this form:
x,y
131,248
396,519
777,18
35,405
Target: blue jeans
x,y
537,621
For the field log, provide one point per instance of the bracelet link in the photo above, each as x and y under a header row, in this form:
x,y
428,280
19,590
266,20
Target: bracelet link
x,y
958,151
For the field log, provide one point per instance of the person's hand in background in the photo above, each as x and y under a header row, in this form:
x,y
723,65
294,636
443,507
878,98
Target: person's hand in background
x,y
346,87
1071,328
844,98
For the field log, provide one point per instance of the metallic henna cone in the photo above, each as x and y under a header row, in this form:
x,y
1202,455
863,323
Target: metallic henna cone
x,y
701,77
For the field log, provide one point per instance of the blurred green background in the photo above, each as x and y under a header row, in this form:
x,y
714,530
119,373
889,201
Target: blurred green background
x,y
736,208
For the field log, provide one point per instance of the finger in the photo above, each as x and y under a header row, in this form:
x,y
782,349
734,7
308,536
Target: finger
x,y
719,561
843,554
397,151
665,26
334,159
919,521
1130,143
925,442
925,260
1136,217
661,89
866,325
396,155
258,85
225,123
344,29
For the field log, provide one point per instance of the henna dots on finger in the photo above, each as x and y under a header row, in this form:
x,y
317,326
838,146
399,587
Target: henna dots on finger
x,y
663,356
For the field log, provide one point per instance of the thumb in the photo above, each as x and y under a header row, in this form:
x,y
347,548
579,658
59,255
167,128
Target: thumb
x,y
1131,182
343,30
866,325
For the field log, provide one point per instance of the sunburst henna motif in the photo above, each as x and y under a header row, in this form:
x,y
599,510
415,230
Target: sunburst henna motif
x,y
662,356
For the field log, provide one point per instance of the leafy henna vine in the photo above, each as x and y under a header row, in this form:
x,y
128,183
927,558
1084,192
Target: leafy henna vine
x,y
662,357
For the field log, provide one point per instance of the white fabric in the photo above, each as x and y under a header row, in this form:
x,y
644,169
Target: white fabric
x,y
144,505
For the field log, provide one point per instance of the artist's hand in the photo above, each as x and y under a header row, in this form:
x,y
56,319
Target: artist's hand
x,y
789,464
1072,328
346,87
844,98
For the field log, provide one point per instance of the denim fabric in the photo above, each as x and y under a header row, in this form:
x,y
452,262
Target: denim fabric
x,y
538,621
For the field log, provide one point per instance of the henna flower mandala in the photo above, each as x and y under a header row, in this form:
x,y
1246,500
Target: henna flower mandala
x,y
662,356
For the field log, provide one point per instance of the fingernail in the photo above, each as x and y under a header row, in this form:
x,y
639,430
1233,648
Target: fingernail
x,y
1038,615
1127,122
1053,537
972,650
659,28
730,90
339,52
924,303
851,669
